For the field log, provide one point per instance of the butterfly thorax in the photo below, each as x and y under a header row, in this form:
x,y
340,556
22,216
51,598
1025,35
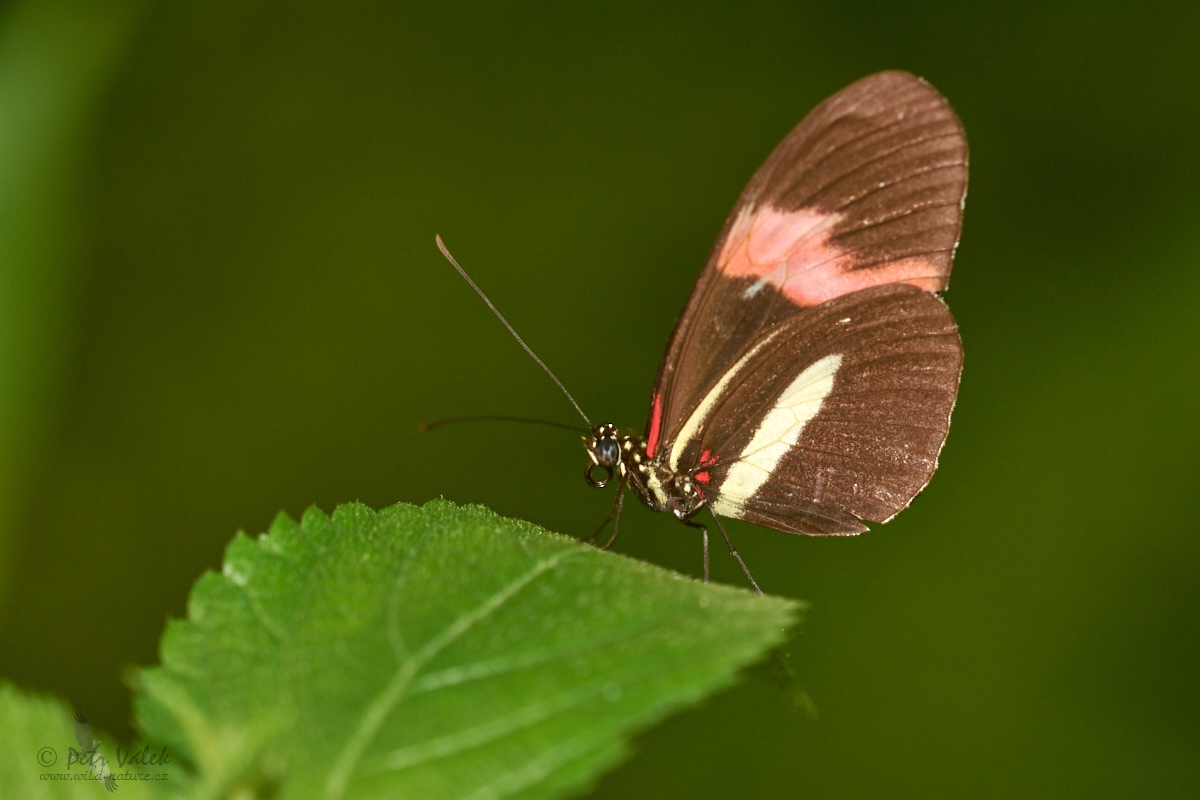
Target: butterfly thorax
x,y
652,480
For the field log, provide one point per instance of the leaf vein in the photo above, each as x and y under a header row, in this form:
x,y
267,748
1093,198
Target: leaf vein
x,y
479,735
378,711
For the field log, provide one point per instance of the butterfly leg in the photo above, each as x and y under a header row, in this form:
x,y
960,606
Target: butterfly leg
x,y
612,512
704,537
733,552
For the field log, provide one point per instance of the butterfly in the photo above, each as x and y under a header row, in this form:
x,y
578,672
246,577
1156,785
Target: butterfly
x,y
808,384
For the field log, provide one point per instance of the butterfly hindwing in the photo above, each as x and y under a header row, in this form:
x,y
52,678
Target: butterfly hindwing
x,y
838,417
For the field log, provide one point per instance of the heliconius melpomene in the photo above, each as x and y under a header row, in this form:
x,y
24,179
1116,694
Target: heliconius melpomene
x,y
808,383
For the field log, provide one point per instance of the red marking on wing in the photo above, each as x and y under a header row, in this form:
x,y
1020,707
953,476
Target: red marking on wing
x,y
655,426
791,251
707,459
700,493
703,477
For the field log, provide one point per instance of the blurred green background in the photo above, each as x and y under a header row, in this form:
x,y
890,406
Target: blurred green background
x,y
220,297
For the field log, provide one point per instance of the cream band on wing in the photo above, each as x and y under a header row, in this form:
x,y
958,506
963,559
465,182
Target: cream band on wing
x,y
791,250
695,423
776,435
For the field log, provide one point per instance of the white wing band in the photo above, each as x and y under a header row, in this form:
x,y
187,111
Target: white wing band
x,y
776,435
695,422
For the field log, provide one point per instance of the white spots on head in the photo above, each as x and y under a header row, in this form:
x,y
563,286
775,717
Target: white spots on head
x,y
778,433
695,422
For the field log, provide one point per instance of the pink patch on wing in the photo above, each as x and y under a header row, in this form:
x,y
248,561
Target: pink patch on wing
x,y
655,426
707,459
791,251
703,477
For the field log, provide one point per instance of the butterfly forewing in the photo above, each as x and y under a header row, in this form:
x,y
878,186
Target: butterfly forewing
x,y
857,211
867,190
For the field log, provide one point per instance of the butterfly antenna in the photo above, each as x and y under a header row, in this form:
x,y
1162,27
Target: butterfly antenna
x,y
426,427
441,246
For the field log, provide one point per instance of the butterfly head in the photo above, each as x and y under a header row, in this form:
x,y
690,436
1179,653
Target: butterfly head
x,y
604,454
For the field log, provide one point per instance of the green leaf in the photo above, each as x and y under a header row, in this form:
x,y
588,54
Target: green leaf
x,y
435,652
38,734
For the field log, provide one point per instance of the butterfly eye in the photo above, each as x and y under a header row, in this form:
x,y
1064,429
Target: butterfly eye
x,y
608,452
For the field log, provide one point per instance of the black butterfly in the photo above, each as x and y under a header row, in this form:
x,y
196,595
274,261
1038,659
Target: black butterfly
x,y
808,384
